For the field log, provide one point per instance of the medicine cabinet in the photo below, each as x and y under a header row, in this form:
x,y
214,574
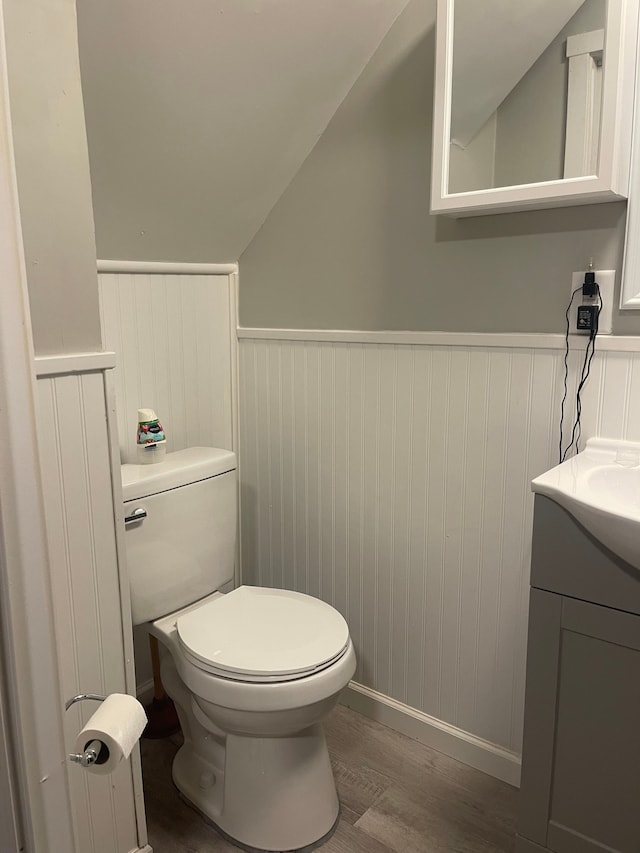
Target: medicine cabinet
x,y
533,103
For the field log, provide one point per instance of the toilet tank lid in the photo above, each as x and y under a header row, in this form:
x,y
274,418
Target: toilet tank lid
x,y
177,469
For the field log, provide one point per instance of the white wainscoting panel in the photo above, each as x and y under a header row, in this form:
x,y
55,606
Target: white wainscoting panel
x,y
89,628
172,335
393,482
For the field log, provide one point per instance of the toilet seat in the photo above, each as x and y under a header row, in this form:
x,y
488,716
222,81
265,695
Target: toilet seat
x,y
260,635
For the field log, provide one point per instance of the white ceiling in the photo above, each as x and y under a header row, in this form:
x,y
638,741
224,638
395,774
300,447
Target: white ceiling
x,y
495,43
200,112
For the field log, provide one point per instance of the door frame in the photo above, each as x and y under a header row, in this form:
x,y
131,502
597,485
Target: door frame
x,y
31,709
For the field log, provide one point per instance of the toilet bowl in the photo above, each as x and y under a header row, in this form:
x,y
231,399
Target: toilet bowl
x,y
254,760
252,672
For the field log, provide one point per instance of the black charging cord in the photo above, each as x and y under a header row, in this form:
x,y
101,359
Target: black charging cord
x,y
589,353
566,367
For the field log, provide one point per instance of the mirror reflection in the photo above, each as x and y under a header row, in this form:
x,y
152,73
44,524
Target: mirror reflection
x,y
526,91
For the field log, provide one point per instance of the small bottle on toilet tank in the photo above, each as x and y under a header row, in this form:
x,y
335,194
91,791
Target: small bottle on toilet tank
x,y
151,439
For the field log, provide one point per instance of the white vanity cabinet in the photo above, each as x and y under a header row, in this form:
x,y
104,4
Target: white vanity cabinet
x,y
580,788
533,103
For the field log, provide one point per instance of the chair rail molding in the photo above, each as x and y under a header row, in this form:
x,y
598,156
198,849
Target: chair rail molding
x,y
465,340
165,268
76,362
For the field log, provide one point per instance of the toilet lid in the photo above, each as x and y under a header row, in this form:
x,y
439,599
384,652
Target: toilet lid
x,y
258,634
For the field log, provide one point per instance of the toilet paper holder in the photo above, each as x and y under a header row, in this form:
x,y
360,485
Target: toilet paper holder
x,y
92,750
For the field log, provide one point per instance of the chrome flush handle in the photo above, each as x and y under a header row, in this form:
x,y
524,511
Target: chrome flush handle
x,y
139,514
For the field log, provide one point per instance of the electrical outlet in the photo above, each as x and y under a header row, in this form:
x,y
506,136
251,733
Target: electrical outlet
x,y
605,280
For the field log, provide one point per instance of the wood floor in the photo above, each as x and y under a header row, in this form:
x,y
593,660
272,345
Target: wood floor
x,y
397,796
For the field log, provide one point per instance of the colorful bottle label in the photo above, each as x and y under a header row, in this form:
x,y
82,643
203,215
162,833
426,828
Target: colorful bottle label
x,y
150,432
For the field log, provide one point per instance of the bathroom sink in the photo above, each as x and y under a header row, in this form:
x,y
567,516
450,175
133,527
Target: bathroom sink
x,y
600,487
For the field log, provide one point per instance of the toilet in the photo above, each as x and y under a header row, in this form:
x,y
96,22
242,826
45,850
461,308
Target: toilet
x,y
252,671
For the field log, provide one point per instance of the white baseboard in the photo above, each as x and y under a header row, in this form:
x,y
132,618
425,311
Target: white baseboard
x,y
456,743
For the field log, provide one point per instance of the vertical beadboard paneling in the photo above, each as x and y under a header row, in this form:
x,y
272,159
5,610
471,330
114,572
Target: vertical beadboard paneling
x,y
515,526
341,485
475,471
263,469
313,461
456,449
436,534
385,495
633,398
326,486
249,460
300,465
354,497
369,579
172,337
393,481
287,472
401,561
88,620
490,604
420,412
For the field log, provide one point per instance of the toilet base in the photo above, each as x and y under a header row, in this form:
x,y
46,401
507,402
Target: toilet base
x,y
220,831
259,780
275,794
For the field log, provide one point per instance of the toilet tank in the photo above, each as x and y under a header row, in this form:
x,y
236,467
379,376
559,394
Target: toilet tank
x,y
184,548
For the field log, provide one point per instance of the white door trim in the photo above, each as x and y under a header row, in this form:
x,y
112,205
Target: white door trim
x,y
26,624
10,818
584,96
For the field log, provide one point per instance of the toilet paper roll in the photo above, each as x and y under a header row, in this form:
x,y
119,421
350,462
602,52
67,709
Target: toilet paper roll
x,y
117,724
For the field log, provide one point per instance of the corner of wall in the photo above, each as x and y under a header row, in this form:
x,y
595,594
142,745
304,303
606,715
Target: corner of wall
x,y
53,174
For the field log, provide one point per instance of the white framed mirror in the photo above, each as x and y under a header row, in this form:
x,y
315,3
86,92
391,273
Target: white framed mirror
x,y
533,103
630,289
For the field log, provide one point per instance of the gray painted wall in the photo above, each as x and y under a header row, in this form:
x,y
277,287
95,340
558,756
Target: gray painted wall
x,y
531,120
53,174
351,243
473,167
200,114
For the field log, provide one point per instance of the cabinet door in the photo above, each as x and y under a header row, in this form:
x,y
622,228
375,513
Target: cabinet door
x,y
581,754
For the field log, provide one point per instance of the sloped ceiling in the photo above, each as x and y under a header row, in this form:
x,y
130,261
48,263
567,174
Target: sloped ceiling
x,y
495,43
200,112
